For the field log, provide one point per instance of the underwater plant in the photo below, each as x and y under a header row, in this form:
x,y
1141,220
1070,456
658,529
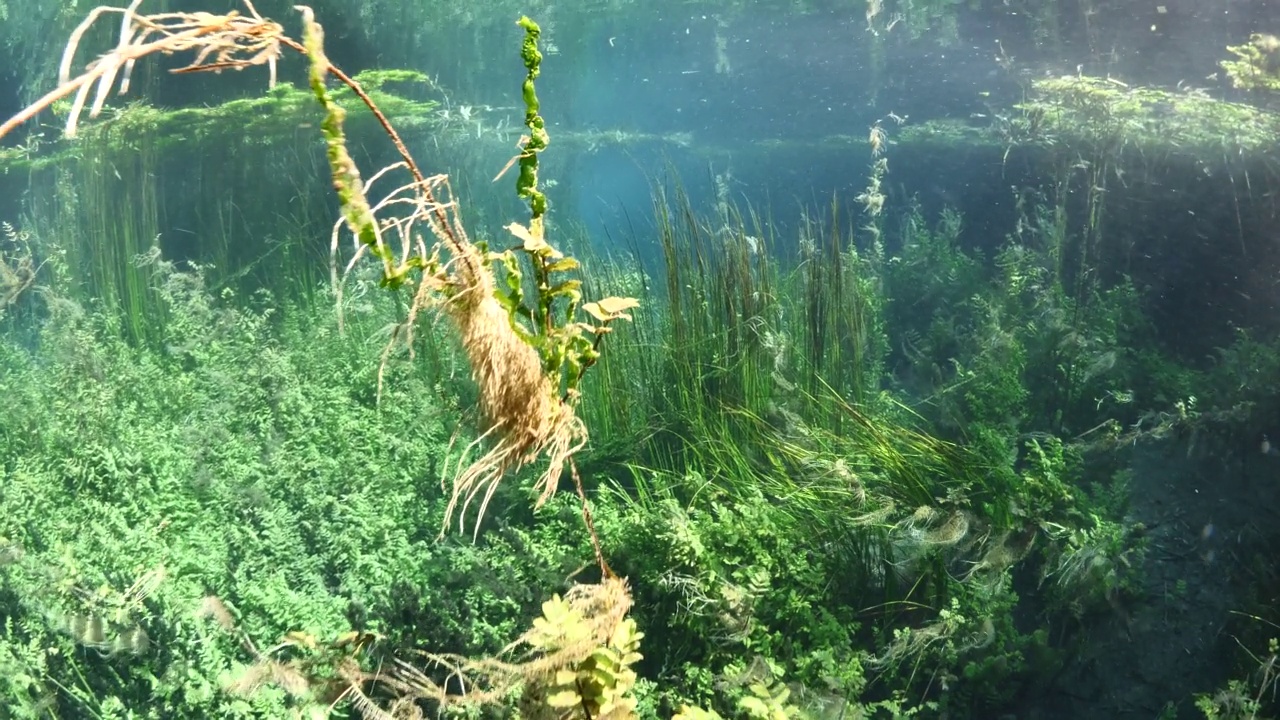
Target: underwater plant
x,y
17,267
527,355
527,352
1257,63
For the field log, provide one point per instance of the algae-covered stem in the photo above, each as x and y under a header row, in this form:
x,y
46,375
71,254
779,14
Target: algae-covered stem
x,y
527,177
527,188
313,34
527,181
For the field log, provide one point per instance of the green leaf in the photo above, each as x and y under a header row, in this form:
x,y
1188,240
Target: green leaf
x,y
569,288
564,265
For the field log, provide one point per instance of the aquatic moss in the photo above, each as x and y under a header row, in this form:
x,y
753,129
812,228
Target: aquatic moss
x,y
1064,111
1091,109
948,133
277,115
527,181
1257,65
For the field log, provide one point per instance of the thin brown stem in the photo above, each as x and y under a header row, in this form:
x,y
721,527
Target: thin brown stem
x,y
606,571
455,243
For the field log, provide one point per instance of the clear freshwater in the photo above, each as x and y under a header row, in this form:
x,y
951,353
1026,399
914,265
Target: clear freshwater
x,y
783,359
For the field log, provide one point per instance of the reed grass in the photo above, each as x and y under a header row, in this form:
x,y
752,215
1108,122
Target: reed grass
x,y
767,369
761,373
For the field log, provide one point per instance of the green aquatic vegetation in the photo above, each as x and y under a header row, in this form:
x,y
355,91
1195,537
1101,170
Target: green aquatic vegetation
x,y
757,357
1025,340
764,697
910,509
1247,698
575,662
745,331
846,466
947,134
1236,701
527,181
589,677
842,311
520,399
223,464
1256,66
104,196
159,476
568,348
526,374
18,266
929,279
735,575
274,117
108,226
1097,566
1072,109
779,458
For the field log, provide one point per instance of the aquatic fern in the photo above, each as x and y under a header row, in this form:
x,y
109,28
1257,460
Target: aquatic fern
x,y
574,662
598,685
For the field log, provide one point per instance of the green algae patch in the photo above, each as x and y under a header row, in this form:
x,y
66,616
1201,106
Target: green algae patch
x,y
1082,109
275,116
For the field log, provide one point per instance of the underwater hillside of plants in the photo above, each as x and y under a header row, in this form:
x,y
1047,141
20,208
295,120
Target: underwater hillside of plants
x,y
317,400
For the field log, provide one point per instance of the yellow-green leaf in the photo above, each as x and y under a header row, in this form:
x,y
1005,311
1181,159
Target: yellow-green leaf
x,y
605,657
564,699
755,707
602,677
688,712
563,265
533,243
566,286
554,608
611,308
